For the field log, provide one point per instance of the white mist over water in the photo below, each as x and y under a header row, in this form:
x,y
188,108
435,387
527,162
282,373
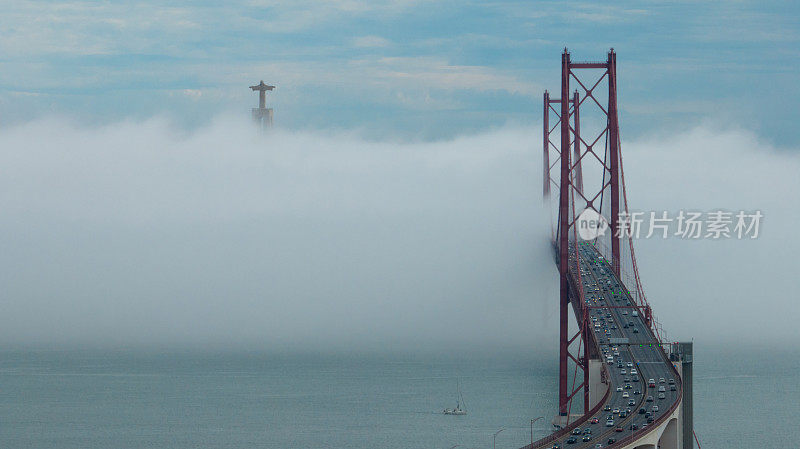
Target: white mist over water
x,y
133,234
136,234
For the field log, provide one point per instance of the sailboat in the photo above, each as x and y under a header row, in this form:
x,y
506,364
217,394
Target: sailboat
x,y
459,402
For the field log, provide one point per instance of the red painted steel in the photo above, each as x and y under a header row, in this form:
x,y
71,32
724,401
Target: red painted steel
x,y
563,240
613,137
574,151
571,157
576,120
546,146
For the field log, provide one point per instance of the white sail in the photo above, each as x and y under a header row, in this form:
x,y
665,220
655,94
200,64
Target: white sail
x,y
459,402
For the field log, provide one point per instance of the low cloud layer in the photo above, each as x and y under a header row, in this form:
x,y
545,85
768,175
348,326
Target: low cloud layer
x,y
136,234
131,234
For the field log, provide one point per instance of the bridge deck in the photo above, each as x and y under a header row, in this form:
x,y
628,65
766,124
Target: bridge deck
x,y
603,289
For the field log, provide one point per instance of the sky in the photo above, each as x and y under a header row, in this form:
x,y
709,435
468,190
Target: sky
x,y
411,69
396,204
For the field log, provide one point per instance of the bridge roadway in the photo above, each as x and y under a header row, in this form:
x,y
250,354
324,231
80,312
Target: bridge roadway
x,y
603,289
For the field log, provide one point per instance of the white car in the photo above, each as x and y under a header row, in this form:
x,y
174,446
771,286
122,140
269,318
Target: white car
x,y
610,423
626,395
619,388
633,371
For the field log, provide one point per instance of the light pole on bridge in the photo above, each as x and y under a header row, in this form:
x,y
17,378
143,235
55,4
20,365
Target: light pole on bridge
x,y
494,437
533,421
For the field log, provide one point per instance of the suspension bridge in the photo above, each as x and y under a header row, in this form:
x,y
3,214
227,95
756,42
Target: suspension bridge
x,y
622,383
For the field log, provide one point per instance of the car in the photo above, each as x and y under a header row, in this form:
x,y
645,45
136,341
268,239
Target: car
x,y
644,426
619,388
661,380
610,418
613,326
647,414
556,446
623,414
655,408
626,395
661,389
595,420
628,386
618,429
635,331
633,371
625,326
672,381
587,431
634,313
627,379
649,399
587,438
615,411
624,312
642,411
610,423
650,420
612,440
631,402
672,388
619,365
598,445
607,408
576,431
634,426
572,440
651,383
635,392
630,365
662,396
623,371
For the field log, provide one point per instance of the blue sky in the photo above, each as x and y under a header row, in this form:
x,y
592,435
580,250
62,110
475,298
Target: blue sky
x,y
411,68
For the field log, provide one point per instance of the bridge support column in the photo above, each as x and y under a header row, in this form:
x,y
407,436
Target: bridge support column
x,y
597,388
563,242
613,163
687,413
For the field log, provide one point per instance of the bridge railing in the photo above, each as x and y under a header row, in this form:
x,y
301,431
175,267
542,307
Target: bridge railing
x,y
569,428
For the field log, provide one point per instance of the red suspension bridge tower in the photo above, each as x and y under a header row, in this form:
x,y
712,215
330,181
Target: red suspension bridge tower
x,y
592,151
